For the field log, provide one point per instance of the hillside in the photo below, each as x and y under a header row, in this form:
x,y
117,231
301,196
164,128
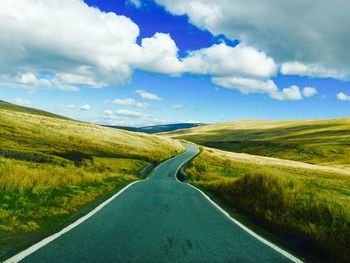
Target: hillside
x,y
306,206
52,167
325,142
13,107
159,128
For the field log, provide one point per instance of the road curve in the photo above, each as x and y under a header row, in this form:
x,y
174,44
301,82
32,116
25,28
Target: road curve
x,y
157,220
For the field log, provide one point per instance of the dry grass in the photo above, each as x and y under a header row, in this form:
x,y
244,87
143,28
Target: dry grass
x,y
50,168
324,142
307,202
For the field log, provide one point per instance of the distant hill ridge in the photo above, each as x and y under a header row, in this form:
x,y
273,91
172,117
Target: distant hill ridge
x,y
159,128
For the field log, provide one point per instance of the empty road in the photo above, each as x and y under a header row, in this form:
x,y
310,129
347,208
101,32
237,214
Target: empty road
x,y
157,220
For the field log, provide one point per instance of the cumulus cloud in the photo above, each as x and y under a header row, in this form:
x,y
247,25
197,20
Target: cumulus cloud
x,y
148,95
130,102
246,85
85,107
158,54
223,60
309,92
311,32
130,113
300,69
291,93
342,96
79,40
81,46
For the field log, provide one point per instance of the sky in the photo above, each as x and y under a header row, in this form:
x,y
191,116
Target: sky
x,y
150,62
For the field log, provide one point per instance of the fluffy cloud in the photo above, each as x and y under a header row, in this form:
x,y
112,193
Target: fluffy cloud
x,y
130,113
342,96
86,44
158,54
309,92
81,46
246,85
223,60
85,107
308,32
130,102
147,95
291,93
297,68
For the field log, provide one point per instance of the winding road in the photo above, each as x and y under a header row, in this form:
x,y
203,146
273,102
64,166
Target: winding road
x,y
156,220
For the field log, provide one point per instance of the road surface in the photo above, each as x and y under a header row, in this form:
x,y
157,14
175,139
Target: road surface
x,y
157,220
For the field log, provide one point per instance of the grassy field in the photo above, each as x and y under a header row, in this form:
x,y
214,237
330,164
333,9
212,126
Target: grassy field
x,y
51,168
299,201
323,142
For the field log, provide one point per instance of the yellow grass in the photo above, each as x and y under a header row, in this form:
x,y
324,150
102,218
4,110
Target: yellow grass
x,y
306,202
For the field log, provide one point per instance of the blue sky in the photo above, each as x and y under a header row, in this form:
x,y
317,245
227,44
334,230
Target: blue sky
x,y
198,70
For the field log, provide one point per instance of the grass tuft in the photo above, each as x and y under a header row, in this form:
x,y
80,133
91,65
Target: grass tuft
x,y
304,202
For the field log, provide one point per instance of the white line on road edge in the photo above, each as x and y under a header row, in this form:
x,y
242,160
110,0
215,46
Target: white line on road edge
x,y
47,240
35,247
263,240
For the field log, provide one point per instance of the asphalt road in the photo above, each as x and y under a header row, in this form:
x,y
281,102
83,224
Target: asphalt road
x,y
158,220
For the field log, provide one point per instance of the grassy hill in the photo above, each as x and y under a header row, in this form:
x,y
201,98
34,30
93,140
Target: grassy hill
x,y
307,205
159,128
13,107
325,142
52,167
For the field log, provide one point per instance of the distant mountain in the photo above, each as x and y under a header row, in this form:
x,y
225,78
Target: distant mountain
x,y
159,128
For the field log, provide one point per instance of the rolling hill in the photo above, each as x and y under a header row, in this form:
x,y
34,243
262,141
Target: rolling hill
x,y
325,142
159,128
52,167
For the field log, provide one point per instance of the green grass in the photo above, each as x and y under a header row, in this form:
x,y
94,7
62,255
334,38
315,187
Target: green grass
x,y
51,168
324,142
13,107
302,202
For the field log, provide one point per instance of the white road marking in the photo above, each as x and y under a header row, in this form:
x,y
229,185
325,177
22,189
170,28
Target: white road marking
x,y
249,231
35,247
18,257
21,255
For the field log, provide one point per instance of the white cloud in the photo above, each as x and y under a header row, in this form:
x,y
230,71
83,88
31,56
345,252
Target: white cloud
x,y
223,60
158,54
291,93
83,46
309,92
130,113
76,39
342,96
78,80
23,102
310,32
85,107
147,95
130,102
246,85
178,106
297,68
